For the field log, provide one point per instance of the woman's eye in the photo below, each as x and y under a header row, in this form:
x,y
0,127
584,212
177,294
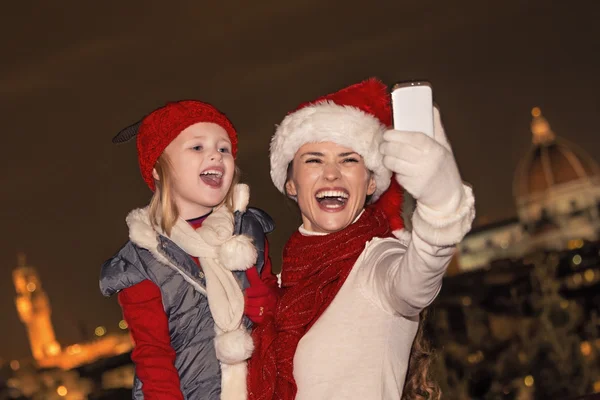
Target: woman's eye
x,y
350,160
313,160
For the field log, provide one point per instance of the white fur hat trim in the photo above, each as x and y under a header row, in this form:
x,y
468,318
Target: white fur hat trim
x,y
328,122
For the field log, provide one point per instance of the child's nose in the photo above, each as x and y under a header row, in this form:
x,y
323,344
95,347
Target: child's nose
x,y
216,156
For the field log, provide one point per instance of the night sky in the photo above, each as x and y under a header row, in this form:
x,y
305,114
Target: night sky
x,y
72,75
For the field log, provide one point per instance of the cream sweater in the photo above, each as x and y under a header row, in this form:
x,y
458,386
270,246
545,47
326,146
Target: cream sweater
x,y
360,346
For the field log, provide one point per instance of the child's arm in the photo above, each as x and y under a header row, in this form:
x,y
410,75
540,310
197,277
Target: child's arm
x,y
153,355
262,294
267,275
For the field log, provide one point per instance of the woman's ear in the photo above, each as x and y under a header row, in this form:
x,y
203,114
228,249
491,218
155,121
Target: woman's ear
x,y
290,188
155,174
372,186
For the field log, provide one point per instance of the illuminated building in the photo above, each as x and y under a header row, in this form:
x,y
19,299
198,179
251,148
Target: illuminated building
x,y
35,312
556,188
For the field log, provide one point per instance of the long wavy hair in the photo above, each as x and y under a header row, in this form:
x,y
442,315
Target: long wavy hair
x,y
419,384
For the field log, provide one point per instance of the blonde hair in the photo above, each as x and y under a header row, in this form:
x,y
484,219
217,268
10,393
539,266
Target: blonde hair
x,y
163,211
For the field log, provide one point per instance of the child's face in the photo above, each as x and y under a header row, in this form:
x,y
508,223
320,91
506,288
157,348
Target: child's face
x,y
202,168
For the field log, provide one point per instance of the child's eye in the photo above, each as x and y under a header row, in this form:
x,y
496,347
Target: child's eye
x,y
224,150
197,148
350,160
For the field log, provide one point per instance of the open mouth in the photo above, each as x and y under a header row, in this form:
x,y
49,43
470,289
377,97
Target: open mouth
x,y
213,177
332,199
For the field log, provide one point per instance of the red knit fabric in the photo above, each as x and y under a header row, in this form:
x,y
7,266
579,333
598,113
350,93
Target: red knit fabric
x,y
162,126
314,270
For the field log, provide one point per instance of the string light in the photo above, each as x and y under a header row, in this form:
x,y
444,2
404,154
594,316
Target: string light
x,y
586,348
62,391
589,275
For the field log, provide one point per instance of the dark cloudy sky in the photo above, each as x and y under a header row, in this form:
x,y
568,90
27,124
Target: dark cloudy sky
x,y
72,73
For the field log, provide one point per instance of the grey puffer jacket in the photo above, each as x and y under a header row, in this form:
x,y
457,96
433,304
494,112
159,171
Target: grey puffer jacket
x,y
183,289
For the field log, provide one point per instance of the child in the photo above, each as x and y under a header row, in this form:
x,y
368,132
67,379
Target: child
x,y
179,279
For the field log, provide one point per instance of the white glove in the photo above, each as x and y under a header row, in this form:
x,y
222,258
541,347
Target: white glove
x,y
425,167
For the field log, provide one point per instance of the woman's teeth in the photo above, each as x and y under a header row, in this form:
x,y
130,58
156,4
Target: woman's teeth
x,y
332,198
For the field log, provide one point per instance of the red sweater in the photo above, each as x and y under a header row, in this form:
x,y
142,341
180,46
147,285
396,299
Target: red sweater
x,y
153,355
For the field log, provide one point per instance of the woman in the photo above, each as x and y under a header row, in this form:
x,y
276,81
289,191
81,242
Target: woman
x,y
353,282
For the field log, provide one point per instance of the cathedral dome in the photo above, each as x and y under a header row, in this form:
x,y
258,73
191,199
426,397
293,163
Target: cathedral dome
x,y
551,162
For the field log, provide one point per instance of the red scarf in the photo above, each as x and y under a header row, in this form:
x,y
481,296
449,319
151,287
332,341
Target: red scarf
x,y
314,270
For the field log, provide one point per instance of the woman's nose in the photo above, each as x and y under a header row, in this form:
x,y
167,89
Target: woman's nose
x,y
331,172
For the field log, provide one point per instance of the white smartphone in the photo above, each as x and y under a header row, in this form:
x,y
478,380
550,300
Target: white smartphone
x,y
412,107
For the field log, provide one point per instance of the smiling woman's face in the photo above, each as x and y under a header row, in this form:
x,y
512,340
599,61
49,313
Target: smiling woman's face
x,y
331,184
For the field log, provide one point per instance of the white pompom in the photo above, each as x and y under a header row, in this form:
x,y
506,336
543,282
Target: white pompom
x,y
233,347
238,253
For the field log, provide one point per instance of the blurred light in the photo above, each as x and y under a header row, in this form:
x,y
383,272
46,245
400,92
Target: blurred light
x,y
522,357
31,287
528,381
475,358
62,391
575,244
576,259
123,324
536,112
589,275
466,301
586,348
75,349
100,331
15,365
577,279
53,349
597,387
564,304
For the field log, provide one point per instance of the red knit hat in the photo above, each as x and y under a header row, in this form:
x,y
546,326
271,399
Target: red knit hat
x,y
355,117
162,126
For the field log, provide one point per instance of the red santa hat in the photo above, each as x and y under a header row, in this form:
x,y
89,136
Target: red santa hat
x,y
355,117
159,128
